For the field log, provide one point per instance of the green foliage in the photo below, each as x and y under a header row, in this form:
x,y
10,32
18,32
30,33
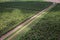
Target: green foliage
x,y
48,28
13,13
17,0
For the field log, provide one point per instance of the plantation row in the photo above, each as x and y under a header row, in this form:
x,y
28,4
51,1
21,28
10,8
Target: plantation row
x,y
48,28
30,5
18,0
13,13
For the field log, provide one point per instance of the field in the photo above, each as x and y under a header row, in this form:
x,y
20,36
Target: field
x,y
48,28
18,0
14,13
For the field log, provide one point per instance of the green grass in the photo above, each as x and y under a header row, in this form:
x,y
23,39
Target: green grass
x,y
13,13
18,0
48,28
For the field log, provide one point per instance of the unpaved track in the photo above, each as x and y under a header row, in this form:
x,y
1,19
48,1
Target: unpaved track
x,y
57,1
25,23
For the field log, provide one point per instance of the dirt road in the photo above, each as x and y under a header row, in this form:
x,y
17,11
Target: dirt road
x,y
56,1
27,22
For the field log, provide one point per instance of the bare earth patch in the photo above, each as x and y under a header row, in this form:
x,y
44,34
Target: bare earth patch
x,y
57,1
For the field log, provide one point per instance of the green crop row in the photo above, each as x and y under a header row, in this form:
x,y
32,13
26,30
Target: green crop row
x,y
13,13
18,0
48,28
